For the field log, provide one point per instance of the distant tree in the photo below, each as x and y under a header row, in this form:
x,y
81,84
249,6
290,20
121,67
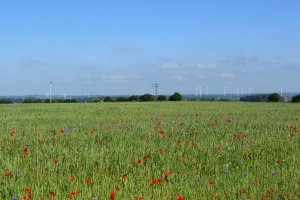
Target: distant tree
x,y
146,97
133,98
175,97
296,99
95,100
274,97
108,99
161,98
121,99
32,101
255,98
5,101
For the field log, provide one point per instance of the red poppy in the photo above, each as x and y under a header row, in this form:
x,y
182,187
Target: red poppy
x,y
154,181
86,180
52,194
145,157
70,196
211,182
25,198
158,123
25,149
296,119
243,191
7,174
139,161
124,175
73,192
27,190
12,133
29,196
61,130
161,132
263,198
159,180
117,188
112,195
216,196
139,198
180,198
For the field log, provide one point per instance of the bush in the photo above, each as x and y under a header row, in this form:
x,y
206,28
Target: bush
x,y
161,98
175,97
146,97
96,100
274,97
296,99
32,101
108,99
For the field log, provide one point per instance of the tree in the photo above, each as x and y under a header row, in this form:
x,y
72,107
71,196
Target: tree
x,y
146,97
175,97
5,101
108,99
96,100
161,98
133,98
121,99
274,97
296,98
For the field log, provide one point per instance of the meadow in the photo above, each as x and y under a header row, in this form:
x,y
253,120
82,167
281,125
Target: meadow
x,y
156,150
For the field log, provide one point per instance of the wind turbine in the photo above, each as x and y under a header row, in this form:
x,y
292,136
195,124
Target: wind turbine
x,y
237,91
242,91
281,91
225,91
206,90
196,91
50,91
200,91
249,90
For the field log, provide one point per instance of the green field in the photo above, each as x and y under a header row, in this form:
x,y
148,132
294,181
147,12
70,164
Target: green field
x,y
169,150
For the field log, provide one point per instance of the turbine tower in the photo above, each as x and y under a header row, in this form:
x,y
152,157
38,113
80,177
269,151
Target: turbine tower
x,y
50,91
206,90
156,86
225,91
196,91
281,91
200,91
249,90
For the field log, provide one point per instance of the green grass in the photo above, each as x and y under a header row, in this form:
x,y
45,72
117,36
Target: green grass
x,y
249,150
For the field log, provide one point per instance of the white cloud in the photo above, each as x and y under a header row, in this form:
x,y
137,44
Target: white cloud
x,y
170,65
178,78
206,66
128,47
227,76
114,78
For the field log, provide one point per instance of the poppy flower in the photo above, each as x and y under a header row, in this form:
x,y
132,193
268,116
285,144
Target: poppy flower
x,y
73,192
27,190
7,174
12,133
154,181
112,195
145,157
139,161
263,198
52,194
216,196
161,132
124,175
211,182
61,130
180,198
25,149
117,188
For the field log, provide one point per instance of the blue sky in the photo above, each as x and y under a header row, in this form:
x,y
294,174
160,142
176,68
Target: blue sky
x,y
125,46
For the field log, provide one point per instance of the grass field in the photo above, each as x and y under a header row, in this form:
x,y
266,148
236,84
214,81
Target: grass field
x,y
170,150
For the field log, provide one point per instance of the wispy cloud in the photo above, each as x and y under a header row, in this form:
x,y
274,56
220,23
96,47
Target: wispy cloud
x,y
178,78
227,76
206,66
114,78
128,47
170,65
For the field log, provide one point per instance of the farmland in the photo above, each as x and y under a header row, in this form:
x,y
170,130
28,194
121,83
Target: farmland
x,y
167,150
